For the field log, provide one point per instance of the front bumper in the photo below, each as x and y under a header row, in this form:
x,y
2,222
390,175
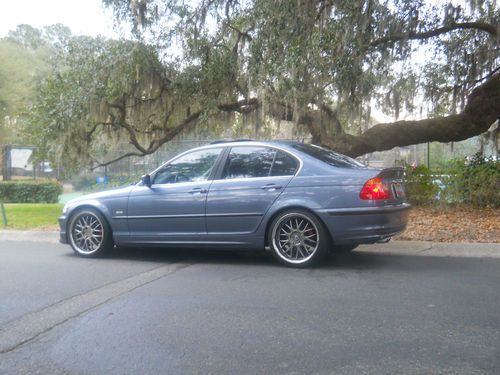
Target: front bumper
x,y
63,238
366,224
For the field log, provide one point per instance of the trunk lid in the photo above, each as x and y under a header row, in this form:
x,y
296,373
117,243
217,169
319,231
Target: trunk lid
x,y
393,179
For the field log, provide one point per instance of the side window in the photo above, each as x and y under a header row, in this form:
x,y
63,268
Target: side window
x,y
247,162
195,166
284,165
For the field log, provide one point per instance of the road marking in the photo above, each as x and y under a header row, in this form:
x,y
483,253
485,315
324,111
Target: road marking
x,y
28,327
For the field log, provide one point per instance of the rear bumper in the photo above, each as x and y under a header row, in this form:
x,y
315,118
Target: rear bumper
x,y
365,225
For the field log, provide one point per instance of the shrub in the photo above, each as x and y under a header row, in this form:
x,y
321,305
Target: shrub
x,y
83,182
475,181
419,185
29,192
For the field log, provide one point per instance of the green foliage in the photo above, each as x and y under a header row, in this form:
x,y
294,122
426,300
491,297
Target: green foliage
x,y
25,55
29,192
419,185
19,71
99,90
335,58
27,36
475,181
304,52
83,182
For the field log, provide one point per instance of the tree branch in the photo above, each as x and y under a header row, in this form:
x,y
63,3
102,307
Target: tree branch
x,y
121,122
481,111
479,80
242,106
412,35
323,5
244,34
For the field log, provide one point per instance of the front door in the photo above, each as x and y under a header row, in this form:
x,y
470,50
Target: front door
x,y
172,210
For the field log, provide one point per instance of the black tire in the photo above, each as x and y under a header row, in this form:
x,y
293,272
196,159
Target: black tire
x,y
298,239
344,249
89,233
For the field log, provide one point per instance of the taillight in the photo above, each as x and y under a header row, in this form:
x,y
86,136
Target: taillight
x,y
375,189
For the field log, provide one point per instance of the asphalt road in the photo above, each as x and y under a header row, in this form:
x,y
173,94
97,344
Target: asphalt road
x,y
193,312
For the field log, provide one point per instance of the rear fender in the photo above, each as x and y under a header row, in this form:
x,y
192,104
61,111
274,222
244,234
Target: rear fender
x,y
281,205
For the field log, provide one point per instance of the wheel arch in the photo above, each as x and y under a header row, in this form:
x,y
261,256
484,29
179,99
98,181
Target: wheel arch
x,y
279,211
84,207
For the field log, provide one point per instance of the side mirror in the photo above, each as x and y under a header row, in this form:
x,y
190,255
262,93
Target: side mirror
x,y
146,180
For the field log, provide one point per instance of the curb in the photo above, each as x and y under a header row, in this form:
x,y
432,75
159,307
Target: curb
x,y
29,235
437,249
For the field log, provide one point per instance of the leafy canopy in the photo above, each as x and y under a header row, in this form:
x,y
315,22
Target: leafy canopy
x,y
344,53
324,64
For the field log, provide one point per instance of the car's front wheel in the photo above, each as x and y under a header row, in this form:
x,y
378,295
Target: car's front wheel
x,y
89,233
298,239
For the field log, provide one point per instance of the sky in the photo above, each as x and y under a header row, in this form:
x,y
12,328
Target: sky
x,y
83,17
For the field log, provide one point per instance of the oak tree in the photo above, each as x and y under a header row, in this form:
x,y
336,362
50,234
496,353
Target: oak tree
x,y
326,65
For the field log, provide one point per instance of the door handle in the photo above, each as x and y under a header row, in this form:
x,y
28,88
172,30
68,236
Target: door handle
x,y
198,190
271,187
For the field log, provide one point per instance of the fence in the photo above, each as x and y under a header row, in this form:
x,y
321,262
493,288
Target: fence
x,y
428,154
15,161
135,165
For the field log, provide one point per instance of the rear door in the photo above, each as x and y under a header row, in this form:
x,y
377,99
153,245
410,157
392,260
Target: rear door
x,y
251,180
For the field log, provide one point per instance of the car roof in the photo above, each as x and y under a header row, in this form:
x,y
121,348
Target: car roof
x,y
249,142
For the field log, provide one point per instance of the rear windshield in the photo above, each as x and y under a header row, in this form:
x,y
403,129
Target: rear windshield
x,y
329,157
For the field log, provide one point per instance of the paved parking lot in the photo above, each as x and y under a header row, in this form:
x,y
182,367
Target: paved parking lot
x,y
181,312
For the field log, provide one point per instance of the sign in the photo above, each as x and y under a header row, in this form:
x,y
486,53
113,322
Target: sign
x,y
19,158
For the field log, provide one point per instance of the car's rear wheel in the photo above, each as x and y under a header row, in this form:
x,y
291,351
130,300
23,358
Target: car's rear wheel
x,y
89,233
298,238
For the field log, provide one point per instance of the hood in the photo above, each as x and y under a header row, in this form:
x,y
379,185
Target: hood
x,y
113,193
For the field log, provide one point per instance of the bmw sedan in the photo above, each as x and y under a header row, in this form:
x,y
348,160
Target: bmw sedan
x,y
299,200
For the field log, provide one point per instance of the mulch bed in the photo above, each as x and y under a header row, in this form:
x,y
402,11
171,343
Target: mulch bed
x,y
453,224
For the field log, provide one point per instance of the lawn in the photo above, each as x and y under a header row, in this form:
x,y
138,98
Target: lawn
x,y
31,216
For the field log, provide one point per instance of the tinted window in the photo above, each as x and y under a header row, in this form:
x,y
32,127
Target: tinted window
x,y
246,162
330,157
284,165
195,166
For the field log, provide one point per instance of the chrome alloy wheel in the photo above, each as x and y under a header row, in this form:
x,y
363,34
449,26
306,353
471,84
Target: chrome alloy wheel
x,y
87,233
296,238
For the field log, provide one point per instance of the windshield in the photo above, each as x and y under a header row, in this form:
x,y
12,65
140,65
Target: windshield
x,y
327,156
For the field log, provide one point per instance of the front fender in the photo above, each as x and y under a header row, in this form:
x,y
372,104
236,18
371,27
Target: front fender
x,y
91,203
114,211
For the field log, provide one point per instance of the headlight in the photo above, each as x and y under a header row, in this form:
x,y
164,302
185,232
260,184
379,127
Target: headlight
x,y
65,209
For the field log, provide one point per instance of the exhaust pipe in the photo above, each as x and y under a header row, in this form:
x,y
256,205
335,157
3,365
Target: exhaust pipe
x,y
384,239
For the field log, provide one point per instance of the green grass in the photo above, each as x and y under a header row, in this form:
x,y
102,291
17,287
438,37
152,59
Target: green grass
x,y
31,216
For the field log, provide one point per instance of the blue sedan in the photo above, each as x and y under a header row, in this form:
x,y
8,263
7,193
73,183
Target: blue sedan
x,y
300,200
